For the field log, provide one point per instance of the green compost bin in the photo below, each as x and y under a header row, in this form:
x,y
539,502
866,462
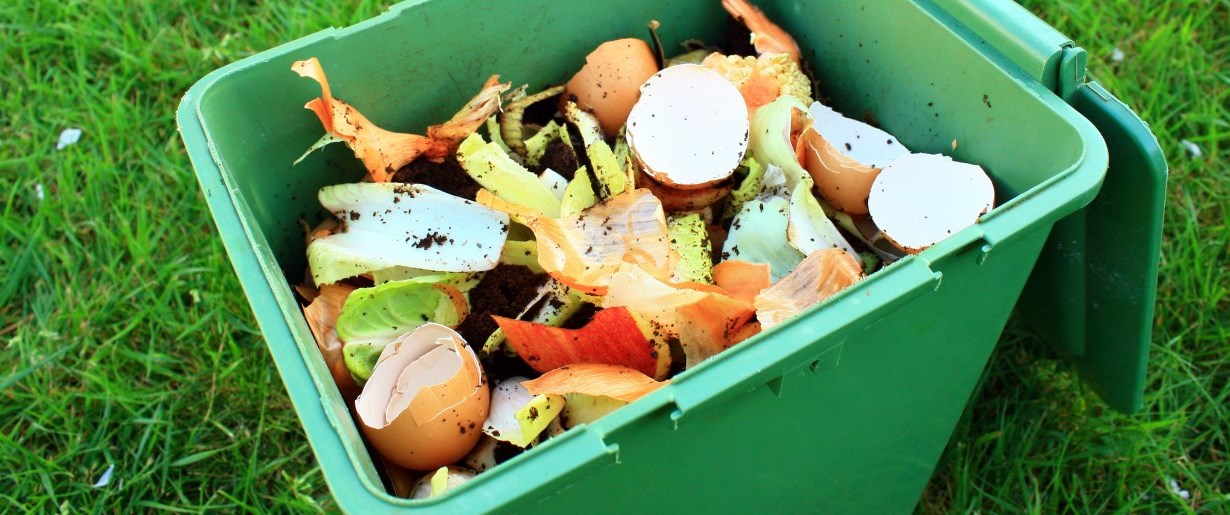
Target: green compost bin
x,y
845,409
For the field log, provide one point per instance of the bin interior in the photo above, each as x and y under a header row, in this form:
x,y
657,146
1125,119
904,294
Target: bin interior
x,y
898,63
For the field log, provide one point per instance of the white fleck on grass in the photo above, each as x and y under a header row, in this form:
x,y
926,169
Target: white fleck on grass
x,y
68,137
38,191
1174,487
105,479
1191,148
1117,55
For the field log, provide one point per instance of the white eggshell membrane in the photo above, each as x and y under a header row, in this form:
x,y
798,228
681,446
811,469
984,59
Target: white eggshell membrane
x,y
920,199
425,391
864,144
844,156
689,129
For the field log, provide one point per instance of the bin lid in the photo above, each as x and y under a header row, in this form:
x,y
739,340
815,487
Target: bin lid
x,y
1092,293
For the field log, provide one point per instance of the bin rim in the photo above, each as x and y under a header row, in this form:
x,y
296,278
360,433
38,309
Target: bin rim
x,y
739,367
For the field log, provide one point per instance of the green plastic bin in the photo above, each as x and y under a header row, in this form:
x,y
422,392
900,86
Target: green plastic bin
x,y
844,409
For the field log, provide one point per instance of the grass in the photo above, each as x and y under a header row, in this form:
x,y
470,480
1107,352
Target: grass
x,y
125,339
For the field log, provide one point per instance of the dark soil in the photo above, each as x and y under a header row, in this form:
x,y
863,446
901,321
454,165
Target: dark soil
x,y
738,39
504,291
560,158
541,112
583,315
448,177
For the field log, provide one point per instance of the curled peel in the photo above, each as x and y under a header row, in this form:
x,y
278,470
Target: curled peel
x,y
584,250
613,337
819,276
321,317
705,318
767,37
743,280
383,152
616,382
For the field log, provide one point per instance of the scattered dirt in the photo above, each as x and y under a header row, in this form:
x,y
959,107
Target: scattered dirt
x,y
504,291
448,177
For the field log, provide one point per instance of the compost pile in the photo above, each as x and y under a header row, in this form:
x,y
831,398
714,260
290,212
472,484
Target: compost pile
x,y
545,257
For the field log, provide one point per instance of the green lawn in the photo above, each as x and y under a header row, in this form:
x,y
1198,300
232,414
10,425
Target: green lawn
x,y
125,339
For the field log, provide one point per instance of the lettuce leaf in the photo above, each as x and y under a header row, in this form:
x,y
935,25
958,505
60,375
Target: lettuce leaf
x,y
757,235
578,195
749,188
388,225
691,239
496,171
611,178
385,312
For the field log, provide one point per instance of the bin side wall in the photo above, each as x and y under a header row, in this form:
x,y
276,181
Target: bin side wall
x,y
860,431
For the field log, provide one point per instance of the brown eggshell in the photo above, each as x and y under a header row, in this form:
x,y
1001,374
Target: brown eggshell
x,y
920,199
677,201
425,403
844,156
689,130
609,83
843,182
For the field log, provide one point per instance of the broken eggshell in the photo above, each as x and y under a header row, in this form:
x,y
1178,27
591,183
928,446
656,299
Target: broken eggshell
x,y
676,200
424,403
609,83
689,130
440,481
920,199
844,156
517,416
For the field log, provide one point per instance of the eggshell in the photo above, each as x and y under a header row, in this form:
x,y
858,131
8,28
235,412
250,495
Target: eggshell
x,y
844,156
609,83
690,129
678,200
920,199
426,400
449,478
517,416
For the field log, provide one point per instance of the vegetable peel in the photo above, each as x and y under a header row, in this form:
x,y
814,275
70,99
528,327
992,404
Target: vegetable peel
x,y
819,276
383,152
595,379
612,337
703,317
584,250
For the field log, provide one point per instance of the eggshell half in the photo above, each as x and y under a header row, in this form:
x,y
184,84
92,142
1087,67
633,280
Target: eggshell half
x,y
609,83
844,156
678,200
920,199
689,130
426,400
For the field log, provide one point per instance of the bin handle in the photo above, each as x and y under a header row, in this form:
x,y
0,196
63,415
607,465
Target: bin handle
x,y
1024,40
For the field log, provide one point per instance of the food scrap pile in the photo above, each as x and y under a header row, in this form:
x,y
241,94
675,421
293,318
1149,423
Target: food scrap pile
x,y
541,259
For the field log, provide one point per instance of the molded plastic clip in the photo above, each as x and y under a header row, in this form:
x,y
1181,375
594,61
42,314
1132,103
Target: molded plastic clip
x,y
1071,72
